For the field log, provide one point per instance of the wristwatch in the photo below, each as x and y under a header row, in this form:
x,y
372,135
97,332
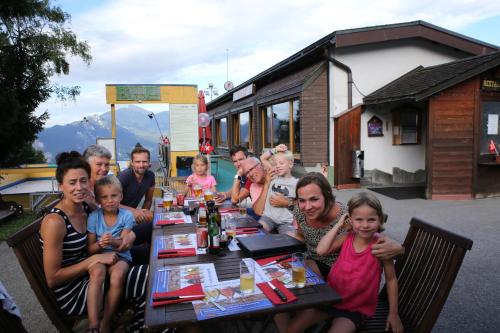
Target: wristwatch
x,y
237,177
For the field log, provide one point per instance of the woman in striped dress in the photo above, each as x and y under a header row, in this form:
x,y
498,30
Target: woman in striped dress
x,y
67,266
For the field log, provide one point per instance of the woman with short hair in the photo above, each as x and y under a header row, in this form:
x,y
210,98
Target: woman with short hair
x,y
98,157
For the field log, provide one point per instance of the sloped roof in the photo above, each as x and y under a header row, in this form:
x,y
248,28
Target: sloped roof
x,y
422,82
359,36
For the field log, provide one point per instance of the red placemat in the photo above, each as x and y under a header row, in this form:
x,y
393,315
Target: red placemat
x,y
266,289
265,261
168,222
195,289
247,231
173,253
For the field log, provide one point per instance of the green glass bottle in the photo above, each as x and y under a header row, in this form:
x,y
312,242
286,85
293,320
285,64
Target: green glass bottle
x,y
213,229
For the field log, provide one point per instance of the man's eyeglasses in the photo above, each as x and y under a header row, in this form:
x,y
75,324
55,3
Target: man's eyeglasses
x,y
252,168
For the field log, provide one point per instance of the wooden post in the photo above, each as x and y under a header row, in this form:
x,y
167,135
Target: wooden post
x,y
113,121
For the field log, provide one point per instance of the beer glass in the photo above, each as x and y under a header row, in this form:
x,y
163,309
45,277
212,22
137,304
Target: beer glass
x,y
230,225
299,269
168,200
208,196
247,277
197,191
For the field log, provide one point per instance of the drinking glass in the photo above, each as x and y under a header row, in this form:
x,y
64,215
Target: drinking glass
x,y
230,228
208,195
299,269
247,277
242,210
168,200
197,191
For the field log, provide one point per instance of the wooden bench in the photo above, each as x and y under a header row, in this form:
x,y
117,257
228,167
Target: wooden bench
x,y
27,247
426,273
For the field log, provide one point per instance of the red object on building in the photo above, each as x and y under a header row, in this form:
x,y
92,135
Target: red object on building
x,y
493,148
202,108
206,148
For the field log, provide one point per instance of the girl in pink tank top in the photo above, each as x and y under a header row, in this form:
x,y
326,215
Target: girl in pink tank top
x,y
356,274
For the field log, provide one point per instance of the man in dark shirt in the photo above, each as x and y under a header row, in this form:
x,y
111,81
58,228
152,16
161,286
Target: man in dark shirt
x,y
138,182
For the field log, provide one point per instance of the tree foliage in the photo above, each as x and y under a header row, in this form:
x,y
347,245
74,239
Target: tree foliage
x,y
35,44
27,154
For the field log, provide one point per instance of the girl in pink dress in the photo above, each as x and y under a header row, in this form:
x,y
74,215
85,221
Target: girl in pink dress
x,y
356,274
200,176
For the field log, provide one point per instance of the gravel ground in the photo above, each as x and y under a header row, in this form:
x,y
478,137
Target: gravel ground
x,y
472,305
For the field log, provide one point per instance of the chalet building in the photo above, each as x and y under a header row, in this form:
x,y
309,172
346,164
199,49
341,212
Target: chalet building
x,y
448,116
313,100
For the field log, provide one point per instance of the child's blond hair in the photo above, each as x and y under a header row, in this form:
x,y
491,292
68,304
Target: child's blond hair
x,y
202,158
286,154
105,181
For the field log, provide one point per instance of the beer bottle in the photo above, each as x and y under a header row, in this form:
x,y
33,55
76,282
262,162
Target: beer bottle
x,y
213,229
202,214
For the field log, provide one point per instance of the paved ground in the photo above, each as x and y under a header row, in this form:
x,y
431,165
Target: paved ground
x,y
473,304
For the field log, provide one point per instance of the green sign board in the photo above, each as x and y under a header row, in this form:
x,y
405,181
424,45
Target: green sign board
x,y
138,93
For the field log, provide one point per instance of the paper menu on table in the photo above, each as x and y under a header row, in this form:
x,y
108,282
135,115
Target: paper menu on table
x,y
228,295
180,241
173,216
171,278
284,274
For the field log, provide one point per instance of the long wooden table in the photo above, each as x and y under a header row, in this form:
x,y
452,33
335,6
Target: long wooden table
x,y
227,268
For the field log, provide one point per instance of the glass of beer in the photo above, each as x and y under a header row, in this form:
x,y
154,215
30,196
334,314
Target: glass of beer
x,y
208,196
299,269
247,276
230,228
197,190
168,200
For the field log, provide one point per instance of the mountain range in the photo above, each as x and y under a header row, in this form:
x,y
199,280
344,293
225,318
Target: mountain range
x,y
132,126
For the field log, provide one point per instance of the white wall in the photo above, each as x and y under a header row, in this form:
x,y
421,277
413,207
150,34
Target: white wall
x,y
374,66
382,155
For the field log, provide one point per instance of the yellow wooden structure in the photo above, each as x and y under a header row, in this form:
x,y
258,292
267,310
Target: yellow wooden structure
x,y
13,176
152,94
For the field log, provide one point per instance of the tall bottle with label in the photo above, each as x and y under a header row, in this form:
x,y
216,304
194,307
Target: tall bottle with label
x,y
202,214
213,229
201,228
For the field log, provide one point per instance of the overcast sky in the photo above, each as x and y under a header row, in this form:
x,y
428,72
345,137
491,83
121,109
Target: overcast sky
x,y
185,42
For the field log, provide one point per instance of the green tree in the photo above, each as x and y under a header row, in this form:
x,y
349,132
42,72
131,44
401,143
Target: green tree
x,y
26,155
35,44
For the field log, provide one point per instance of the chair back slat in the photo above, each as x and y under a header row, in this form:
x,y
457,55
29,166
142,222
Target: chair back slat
x,y
427,271
177,183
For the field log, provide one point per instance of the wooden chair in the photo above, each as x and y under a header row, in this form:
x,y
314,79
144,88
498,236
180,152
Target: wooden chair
x,y
176,183
27,247
426,273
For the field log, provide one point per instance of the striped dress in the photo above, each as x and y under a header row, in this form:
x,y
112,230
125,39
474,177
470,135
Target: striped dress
x,y
72,296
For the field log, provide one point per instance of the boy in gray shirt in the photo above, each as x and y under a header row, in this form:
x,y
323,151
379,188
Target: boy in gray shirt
x,y
278,217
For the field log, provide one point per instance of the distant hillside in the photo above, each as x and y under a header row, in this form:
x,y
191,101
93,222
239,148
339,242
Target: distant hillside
x,y
133,125
136,120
